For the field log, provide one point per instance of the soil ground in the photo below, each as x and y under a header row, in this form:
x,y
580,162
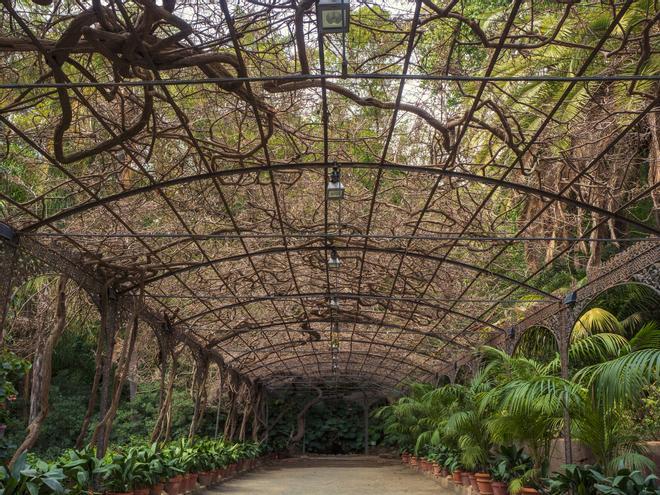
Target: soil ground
x,y
342,475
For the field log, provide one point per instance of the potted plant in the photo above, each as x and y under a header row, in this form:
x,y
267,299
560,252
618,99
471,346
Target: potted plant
x,y
501,476
484,482
117,474
579,480
453,466
511,465
26,479
172,472
627,482
79,467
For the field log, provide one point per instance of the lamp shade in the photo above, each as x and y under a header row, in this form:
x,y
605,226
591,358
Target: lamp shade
x,y
335,190
333,16
333,260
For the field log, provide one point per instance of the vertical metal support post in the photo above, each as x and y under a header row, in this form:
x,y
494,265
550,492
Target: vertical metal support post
x,y
304,442
565,327
366,426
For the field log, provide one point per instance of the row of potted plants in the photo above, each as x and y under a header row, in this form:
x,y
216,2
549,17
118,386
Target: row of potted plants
x,y
141,469
494,479
503,475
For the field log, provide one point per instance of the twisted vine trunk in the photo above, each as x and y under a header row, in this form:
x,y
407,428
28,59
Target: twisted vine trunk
x,y
42,370
199,393
296,437
163,422
101,434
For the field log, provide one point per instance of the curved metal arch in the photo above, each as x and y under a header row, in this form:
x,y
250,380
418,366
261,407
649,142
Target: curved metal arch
x,y
371,249
285,345
344,295
387,373
268,381
519,335
406,362
587,301
261,328
293,167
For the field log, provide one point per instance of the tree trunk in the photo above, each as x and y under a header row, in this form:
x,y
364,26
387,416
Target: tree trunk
x,y
42,372
217,413
163,422
247,412
199,394
105,425
109,322
300,420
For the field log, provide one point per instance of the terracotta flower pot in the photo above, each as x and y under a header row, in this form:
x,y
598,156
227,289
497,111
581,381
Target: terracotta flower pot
x,y
499,488
473,483
405,458
141,491
192,481
465,478
205,478
157,489
173,486
413,462
484,483
529,491
437,470
456,477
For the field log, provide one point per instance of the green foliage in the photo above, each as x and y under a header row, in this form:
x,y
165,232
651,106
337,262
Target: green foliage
x,y
123,469
12,369
519,400
580,480
25,479
79,467
331,426
627,483
511,462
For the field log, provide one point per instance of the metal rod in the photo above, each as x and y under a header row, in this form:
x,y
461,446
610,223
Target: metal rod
x,y
307,77
312,235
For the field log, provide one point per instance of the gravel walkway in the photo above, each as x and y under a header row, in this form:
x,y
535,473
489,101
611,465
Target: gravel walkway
x,y
346,475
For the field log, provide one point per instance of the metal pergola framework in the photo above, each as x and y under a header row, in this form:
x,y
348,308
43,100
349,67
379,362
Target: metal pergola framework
x,y
193,143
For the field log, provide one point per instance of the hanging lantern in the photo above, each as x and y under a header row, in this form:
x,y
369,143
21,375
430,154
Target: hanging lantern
x,y
333,16
334,261
335,187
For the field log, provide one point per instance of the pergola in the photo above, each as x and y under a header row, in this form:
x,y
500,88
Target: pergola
x,y
189,147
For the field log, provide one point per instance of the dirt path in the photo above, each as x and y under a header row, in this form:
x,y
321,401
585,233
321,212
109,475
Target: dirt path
x,y
354,475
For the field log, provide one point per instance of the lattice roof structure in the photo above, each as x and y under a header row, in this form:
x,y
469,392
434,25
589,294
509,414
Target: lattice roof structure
x,y
184,149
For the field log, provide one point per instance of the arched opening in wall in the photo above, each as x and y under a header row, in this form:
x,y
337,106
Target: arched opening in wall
x,y
443,380
463,375
619,319
538,343
334,423
623,309
613,344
